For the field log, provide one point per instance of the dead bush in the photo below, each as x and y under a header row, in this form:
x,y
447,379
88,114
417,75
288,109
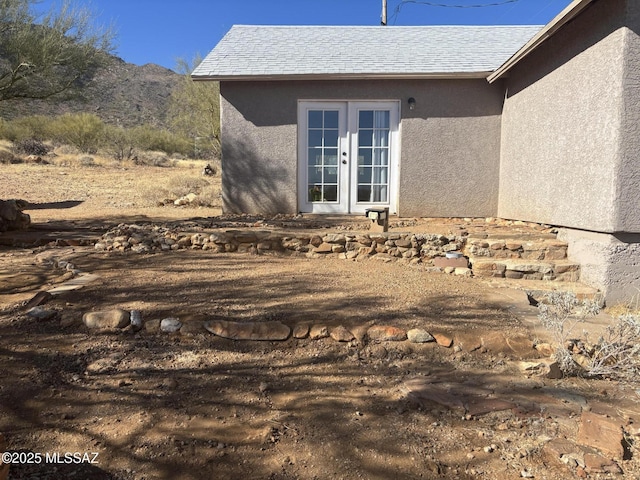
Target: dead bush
x,y
616,354
30,146
154,159
87,161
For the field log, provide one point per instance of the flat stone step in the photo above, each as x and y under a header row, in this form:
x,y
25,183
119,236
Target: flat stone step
x,y
525,269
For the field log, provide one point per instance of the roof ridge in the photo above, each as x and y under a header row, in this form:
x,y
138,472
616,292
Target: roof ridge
x,y
394,27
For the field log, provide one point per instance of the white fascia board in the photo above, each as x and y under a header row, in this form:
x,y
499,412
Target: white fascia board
x,y
342,76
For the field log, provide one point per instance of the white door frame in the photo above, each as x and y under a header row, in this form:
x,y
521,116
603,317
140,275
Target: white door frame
x,y
347,152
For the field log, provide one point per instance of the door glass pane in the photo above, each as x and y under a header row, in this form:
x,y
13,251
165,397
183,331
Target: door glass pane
x,y
365,138
379,174
315,175
331,138
330,156
331,175
323,138
364,193
315,156
381,138
364,175
315,118
364,156
331,119
381,119
379,193
365,119
315,193
381,156
373,149
315,138
331,193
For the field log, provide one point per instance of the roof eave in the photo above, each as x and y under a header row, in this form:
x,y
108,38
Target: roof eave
x,y
569,13
343,76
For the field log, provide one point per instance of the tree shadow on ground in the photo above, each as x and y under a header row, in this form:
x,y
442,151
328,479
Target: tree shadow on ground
x,y
200,406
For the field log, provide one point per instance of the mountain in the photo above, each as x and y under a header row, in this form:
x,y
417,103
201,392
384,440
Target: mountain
x,y
120,94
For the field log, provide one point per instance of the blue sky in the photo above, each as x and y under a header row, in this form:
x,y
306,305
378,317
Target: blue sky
x,y
161,31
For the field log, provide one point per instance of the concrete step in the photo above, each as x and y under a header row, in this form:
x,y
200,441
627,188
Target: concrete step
x,y
524,247
525,269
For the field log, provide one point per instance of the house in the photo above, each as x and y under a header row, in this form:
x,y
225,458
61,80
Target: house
x,y
533,123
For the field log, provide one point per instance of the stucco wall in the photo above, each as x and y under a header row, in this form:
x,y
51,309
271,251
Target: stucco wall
x,y
628,214
610,263
562,128
449,143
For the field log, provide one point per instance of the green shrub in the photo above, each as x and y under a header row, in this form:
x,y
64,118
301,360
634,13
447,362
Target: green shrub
x,y
119,143
82,130
37,127
149,138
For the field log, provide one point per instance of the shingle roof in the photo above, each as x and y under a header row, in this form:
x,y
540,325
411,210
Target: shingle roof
x,y
249,51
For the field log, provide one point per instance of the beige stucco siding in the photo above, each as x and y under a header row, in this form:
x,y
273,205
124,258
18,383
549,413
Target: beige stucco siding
x,y
450,151
628,213
258,160
449,144
562,135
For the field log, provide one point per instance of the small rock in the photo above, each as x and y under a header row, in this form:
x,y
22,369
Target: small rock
x,y
341,334
100,246
187,199
263,387
115,318
135,318
140,248
318,331
467,272
418,335
170,325
443,340
39,299
40,313
301,331
384,333
152,326
449,269
526,474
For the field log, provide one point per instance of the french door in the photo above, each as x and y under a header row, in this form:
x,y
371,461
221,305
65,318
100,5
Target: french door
x,y
348,155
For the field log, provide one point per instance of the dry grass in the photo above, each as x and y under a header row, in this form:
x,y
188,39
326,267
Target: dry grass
x,y
110,189
182,183
632,307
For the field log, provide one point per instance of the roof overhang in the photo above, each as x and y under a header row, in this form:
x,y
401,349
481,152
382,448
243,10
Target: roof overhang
x,y
565,16
343,76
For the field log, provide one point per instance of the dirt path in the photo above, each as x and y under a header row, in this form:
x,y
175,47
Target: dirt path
x,y
197,406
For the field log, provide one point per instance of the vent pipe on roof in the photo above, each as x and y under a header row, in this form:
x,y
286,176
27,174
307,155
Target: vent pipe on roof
x,y
383,20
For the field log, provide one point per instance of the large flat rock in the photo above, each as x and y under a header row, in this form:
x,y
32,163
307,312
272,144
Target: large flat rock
x,y
274,331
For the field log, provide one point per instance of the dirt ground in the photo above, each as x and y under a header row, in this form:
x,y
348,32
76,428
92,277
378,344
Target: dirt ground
x,y
197,406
